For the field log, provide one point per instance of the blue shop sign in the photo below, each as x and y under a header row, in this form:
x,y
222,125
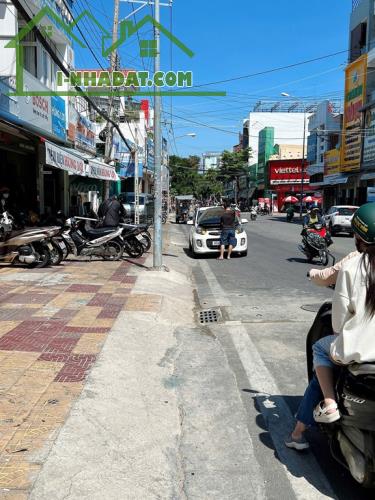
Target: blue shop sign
x,y
128,169
58,117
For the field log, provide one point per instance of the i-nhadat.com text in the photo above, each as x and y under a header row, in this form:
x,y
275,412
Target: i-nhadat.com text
x,y
138,79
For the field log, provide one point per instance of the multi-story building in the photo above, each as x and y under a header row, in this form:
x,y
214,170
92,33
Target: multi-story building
x,y
47,148
287,123
349,174
324,135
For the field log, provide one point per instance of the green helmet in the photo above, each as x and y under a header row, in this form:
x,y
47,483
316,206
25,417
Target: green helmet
x,y
363,223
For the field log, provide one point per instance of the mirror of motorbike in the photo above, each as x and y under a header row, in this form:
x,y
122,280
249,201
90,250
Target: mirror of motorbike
x,y
244,221
190,223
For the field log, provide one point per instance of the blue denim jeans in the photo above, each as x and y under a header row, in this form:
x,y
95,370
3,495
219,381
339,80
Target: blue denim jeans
x,y
313,395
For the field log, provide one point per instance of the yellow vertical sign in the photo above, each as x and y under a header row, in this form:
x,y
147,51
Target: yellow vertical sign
x,y
355,97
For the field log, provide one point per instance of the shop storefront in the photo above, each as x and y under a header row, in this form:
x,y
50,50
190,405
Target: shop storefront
x,y
286,180
25,122
18,166
80,179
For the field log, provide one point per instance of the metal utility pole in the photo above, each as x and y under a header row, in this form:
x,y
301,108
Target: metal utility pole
x,y
136,180
158,235
303,161
113,61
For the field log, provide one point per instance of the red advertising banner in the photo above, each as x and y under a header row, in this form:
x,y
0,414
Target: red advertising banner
x,y
282,172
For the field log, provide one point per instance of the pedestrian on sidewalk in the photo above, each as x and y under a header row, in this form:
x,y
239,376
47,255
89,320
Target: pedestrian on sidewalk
x,y
228,231
353,321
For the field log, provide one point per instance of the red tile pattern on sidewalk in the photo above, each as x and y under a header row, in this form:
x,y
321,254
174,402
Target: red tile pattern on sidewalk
x,y
53,324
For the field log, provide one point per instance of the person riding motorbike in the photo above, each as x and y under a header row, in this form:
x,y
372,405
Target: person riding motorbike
x,y
353,321
312,217
290,213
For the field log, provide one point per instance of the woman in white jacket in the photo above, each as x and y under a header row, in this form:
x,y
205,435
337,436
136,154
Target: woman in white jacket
x,y
353,321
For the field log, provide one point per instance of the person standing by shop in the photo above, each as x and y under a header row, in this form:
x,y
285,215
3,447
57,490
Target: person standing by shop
x,y
4,199
228,231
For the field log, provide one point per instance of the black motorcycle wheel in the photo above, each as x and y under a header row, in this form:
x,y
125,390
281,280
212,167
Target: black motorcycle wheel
x,y
57,255
112,251
324,259
146,242
43,256
134,248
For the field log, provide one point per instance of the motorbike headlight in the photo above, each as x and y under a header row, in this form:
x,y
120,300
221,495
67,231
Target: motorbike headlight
x,y
200,230
239,229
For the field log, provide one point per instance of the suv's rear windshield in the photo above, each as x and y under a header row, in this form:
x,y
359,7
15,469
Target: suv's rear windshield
x,y
346,211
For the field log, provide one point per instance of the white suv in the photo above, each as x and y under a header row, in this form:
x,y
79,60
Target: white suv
x,y
339,219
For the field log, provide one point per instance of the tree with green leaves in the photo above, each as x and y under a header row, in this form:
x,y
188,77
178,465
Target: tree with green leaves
x,y
184,174
233,166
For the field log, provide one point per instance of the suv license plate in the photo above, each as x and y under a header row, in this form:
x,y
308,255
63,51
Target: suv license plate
x,y
216,243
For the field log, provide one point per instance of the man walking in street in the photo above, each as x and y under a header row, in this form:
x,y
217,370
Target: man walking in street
x,y
228,231
111,211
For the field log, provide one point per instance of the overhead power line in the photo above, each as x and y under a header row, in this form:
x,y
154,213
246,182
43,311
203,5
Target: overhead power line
x,y
272,70
60,64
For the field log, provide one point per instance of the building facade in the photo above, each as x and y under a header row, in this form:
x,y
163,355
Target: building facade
x,y
51,149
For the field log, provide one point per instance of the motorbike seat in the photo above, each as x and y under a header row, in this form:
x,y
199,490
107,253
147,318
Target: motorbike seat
x,y
100,231
362,369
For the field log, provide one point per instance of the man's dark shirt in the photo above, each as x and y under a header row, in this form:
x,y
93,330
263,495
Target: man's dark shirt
x,y
112,211
228,220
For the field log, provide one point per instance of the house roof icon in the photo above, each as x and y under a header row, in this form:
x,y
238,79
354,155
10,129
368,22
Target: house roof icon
x,y
36,22
128,29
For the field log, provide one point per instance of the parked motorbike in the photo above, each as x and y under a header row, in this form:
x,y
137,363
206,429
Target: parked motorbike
x,y
351,438
101,242
22,247
253,214
136,239
315,243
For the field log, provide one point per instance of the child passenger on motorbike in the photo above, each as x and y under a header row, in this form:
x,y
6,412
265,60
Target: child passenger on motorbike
x,y
353,321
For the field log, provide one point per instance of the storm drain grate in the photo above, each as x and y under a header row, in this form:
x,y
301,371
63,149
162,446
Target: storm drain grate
x,y
209,316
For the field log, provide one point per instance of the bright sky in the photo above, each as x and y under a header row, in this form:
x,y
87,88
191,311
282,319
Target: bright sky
x,y
231,39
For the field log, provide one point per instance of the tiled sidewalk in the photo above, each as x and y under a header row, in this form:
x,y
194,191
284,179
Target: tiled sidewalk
x,y
53,323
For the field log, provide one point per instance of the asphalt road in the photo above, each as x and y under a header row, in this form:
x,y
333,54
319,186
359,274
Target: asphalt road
x,y
261,301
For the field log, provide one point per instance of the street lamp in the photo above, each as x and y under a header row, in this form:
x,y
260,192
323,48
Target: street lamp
x,y
285,94
190,134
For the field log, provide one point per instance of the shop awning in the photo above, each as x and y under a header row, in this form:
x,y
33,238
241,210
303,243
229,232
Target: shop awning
x,y
99,170
77,163
59,157
368,177
332,180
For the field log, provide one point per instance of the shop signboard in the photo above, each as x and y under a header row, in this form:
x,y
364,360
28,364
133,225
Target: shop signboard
x,y
128,169
81,131
286,172
312,147
332,161
60,158
38,114
98,170
371,194
85,135
355,96
369,139
58,117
